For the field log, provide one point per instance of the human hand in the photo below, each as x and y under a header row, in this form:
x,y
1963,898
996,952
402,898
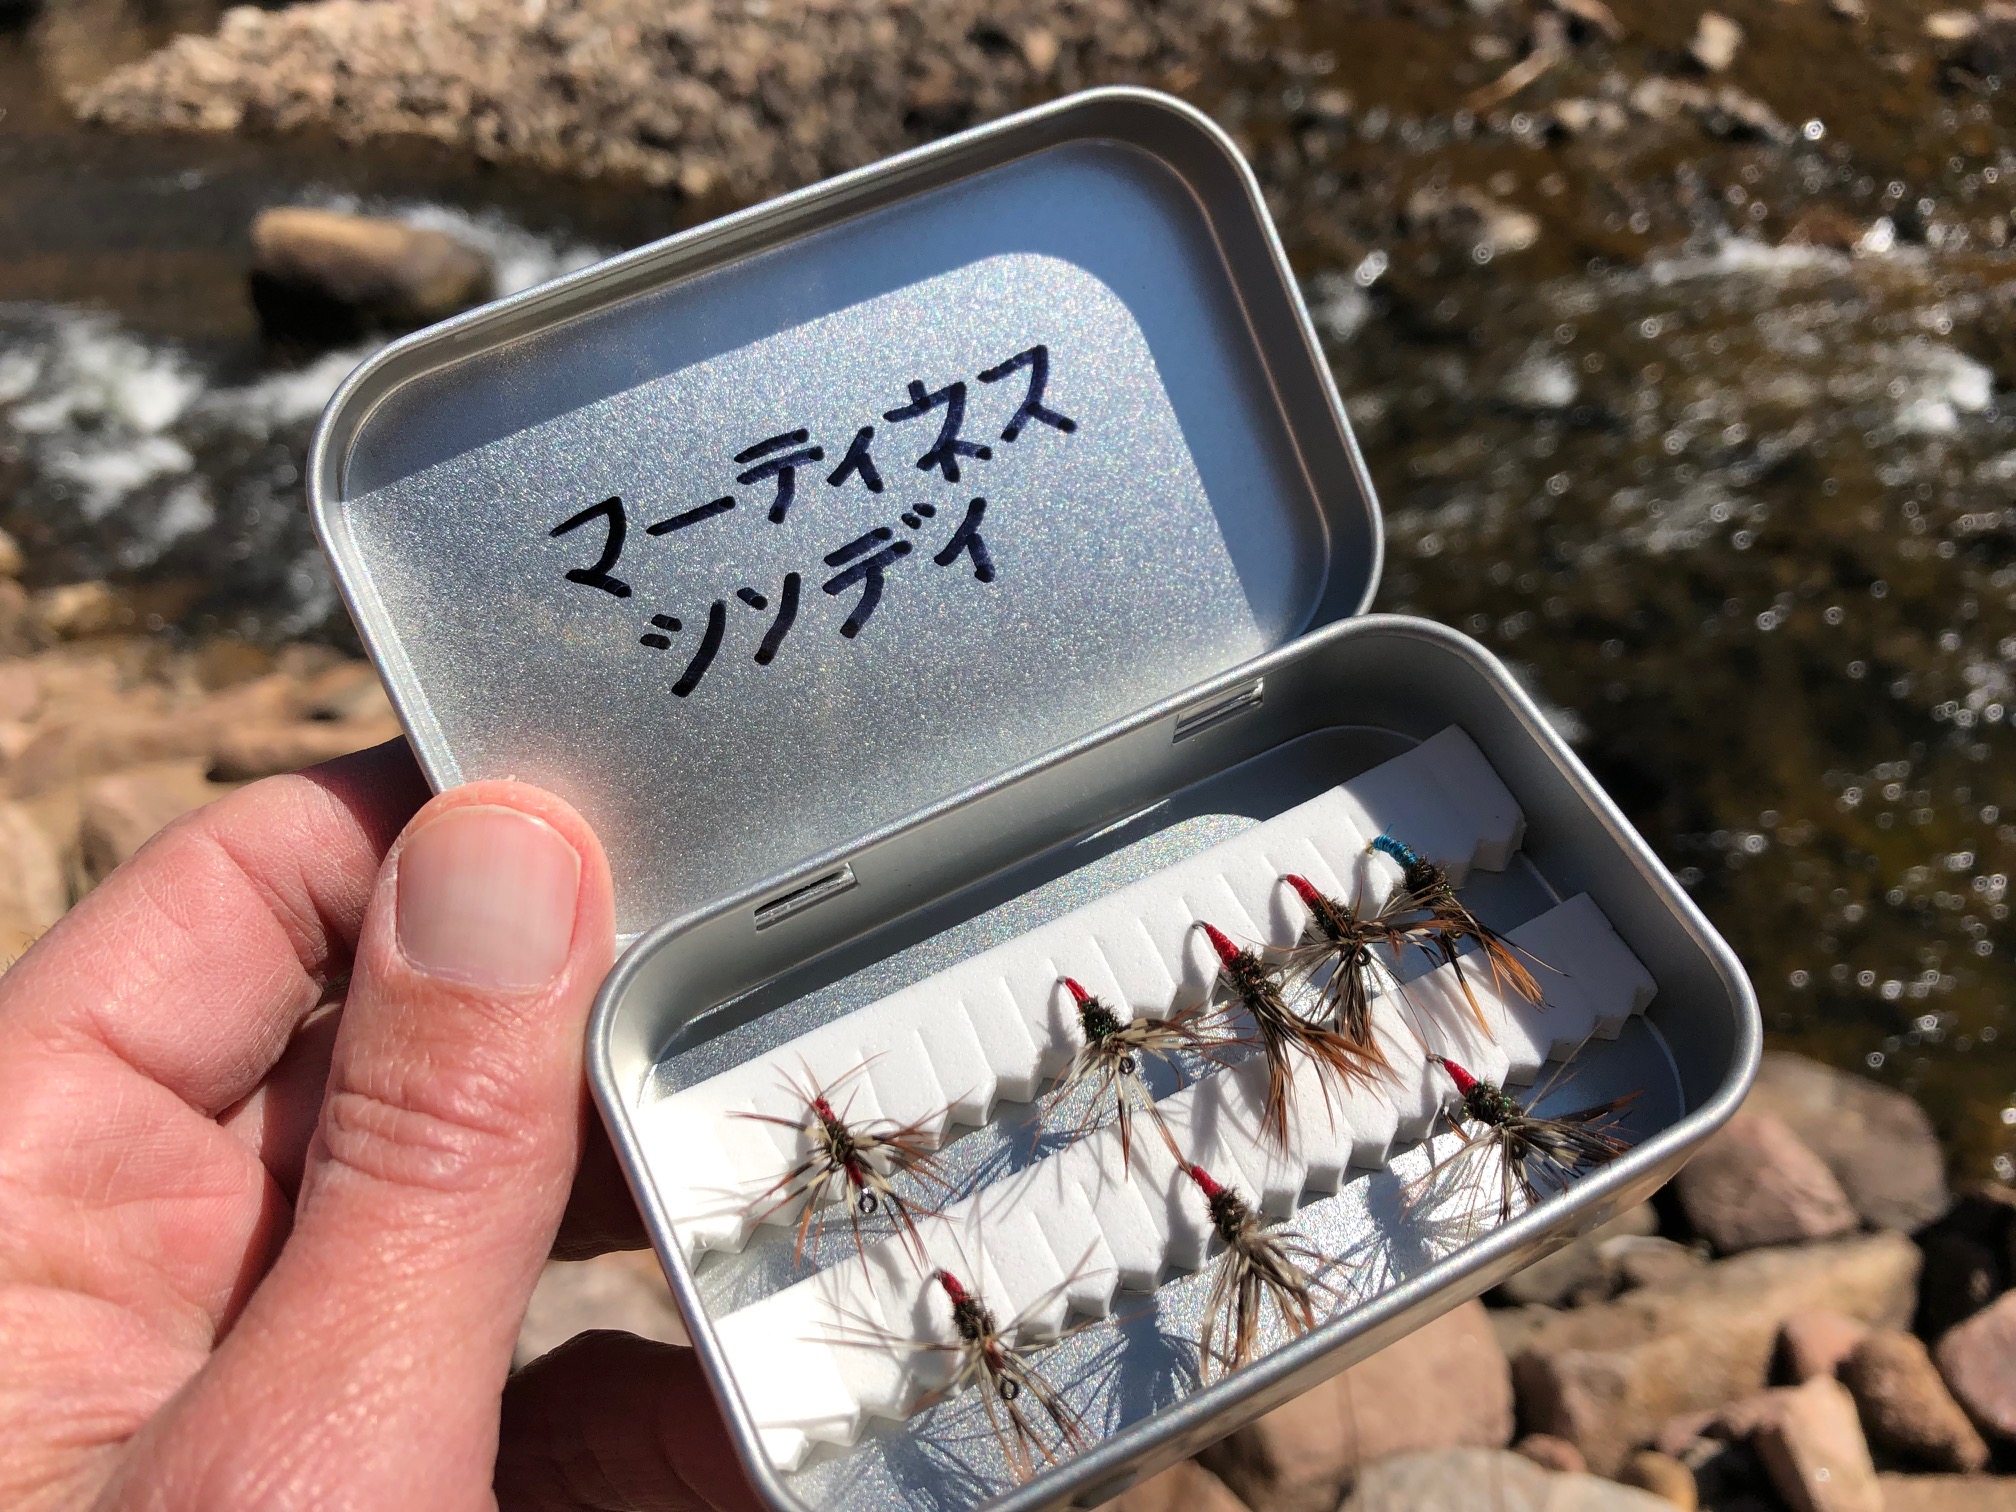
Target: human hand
x,y
291,1114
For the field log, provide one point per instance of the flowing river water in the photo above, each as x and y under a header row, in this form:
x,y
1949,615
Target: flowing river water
x,y
1694,405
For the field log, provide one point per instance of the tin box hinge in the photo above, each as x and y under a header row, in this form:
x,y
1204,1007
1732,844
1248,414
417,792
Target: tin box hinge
x,y
1225,706
818,890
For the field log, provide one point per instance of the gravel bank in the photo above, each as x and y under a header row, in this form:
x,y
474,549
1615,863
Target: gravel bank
x,y
729,96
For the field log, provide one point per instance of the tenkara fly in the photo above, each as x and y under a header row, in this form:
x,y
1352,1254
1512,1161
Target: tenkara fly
x,y
1252,984
1258,1268
1111,1058
1536,1155
1346,945
854,1162
1425,886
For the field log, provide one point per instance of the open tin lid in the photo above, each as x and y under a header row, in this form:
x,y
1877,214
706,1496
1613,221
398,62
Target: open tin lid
x,y
761,537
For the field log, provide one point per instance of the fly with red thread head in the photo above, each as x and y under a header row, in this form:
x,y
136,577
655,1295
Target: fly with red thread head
x,y
1425,887
1258,1269
1248,982
852,1162
1537,1155
1339,959
1111,1059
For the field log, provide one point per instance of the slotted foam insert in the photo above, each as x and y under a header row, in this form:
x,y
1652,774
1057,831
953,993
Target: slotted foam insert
x,y
999,1025
1109,1223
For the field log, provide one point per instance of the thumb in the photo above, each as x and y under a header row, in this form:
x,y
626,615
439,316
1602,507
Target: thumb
x,y
368,1367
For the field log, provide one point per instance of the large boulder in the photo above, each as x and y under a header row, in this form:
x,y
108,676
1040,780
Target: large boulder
x,y
1606,1377
1948,1493
1186,1487
1906,1409
1811,1443
1581,1271
327,274
1444,1385
122,812
1815,1340
1978,1360
1754,1183
1970,1258
242,753
1488,1480
624,1290
1878,1143
33,893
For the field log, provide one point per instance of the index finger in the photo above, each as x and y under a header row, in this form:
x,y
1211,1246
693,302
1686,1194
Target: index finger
x,y
194,962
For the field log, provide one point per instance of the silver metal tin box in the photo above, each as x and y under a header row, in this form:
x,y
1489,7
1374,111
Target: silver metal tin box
x,y
1158,642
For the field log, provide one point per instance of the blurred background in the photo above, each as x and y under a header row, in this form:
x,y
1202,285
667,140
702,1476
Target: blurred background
x,y
1679,345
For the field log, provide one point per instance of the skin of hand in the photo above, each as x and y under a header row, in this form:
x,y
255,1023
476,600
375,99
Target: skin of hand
x,y
291,1114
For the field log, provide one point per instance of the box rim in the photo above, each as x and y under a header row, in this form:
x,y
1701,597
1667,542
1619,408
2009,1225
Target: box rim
x,y
377,380
1667,1147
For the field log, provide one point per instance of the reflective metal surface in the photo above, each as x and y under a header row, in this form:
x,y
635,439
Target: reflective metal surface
x,y
709,990
808,648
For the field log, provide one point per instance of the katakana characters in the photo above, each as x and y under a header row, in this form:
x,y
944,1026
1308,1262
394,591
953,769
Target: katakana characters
x,y
787,615
967,538
710,647
598,575
1037,360
946,451
867,571
780,463
858,460
689,517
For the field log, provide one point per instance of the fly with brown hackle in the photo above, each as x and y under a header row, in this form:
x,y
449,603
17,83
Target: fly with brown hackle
x,y
854,1162
1248,982
1425,887
1111,1060
1028,1417
1260,1268
1339,959
1537,1155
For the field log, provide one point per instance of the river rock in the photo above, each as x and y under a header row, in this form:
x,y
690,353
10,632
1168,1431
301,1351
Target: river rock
x,y
240,754
32,890
1632,1261
1664,1476
1716,41
1815,1340
1978,1360
1551,1453
1754,1183
88,742
1185,1487
1905,1407
708,96
1948,1493
121,813
77,611
1970,1258
1446,1384
1577,1272
624,1290
1487,1480
1811,1444
1878,1142
326,272
1604,1377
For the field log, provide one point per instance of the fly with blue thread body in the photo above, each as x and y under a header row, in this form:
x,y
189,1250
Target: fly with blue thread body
x,y
1425,888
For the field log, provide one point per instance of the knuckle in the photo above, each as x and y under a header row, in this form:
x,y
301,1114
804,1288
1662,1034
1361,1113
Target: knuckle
x,y
438,1128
